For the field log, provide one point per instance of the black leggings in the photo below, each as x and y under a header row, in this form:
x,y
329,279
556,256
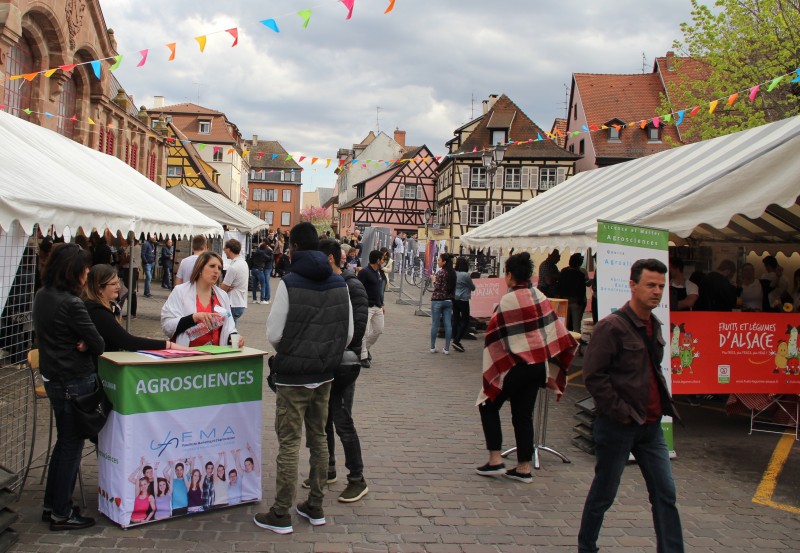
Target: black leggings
x,y
460,319
520,387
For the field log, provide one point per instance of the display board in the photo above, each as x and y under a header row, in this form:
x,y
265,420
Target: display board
x,y
734,353
184,435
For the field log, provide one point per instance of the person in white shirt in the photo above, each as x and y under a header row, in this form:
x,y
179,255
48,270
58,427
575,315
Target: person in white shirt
x,y
187,265
236,279
399,250
752,292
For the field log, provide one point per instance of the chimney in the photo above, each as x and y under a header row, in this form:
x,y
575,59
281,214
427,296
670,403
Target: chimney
x,y
255,139
670,61
400,137
158,102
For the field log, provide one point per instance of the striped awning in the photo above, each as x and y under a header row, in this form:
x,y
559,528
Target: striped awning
x,y
743,187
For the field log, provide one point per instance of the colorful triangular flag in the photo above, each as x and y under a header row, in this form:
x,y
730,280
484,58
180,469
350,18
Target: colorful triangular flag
x,y
306,16
201,40
271,24
235,34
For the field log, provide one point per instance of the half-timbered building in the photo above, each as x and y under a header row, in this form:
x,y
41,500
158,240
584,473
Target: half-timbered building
x,y
464,196
395,198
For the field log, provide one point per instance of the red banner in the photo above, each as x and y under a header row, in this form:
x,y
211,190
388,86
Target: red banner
x,y
734,353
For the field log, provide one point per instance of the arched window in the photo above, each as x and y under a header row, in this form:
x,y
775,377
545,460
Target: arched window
x,y
67,108
110,142
17,93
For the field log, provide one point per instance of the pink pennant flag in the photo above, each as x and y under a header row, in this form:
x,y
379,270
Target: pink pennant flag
x,y
656,122
732,98
144,58
171,47
475,150
349,5
754,92
69,67
201,40
391,6
712,106
235,34
301,159
73,118
217,149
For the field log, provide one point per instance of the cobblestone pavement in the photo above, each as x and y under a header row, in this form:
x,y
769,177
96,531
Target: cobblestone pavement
x,y
421,437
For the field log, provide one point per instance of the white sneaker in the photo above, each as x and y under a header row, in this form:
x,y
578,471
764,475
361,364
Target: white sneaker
x,y
446,351
265,302
433,350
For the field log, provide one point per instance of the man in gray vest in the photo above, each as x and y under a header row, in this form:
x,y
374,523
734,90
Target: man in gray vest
x,y
306,326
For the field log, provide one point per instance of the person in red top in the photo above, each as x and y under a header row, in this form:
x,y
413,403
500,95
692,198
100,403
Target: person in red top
x,y
622,371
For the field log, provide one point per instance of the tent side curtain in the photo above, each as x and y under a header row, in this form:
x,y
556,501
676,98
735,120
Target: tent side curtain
x,y
219,208
743,184
48,179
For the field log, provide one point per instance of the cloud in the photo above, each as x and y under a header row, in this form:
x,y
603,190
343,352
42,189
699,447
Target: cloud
x,y
427,65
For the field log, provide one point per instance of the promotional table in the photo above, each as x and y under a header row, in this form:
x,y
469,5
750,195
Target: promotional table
x,y
184,435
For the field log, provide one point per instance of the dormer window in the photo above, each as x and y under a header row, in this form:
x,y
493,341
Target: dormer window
x,y
498,137
204,127
614,130
613,134
653,133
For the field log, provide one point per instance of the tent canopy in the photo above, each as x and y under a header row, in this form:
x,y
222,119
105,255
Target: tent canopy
x,y
219,208
742,187
48,179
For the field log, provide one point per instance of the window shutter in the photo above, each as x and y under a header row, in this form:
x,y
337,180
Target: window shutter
x,y
465,177
525,181
534,178
464,216
401,191
562,175
498,210
419,192
498,178
486,213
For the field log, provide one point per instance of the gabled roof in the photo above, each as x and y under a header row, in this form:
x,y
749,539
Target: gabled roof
x,y
520,127
674,71
265,161
187,108
559,128
186,118
197,162
394,168
630,98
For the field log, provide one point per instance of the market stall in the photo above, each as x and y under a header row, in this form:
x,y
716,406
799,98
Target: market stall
x,y
184,435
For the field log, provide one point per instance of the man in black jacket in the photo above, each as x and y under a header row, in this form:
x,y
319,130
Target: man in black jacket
x,y
340,405
374,282
310,324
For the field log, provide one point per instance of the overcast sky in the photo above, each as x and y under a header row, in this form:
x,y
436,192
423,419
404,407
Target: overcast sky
x,y
428,64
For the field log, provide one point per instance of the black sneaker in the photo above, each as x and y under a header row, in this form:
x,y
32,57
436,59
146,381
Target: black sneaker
x,y
491,470
314,514
276,523
75,522
458,347
331,479
366,363
47,513
520,476
354,491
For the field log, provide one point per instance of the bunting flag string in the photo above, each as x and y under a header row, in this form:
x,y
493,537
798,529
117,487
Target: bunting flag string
x,y
679,117
201,40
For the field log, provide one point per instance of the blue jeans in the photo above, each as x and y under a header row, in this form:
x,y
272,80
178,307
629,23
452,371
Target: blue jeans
x,y
258,280
442,309
148,276
614,441
66,458
340,417
265,288
166,279
237,312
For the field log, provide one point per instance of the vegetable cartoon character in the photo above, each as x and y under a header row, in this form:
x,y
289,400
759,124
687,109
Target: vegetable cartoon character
x,y
674,349
792,332
687,353
793,365
781,358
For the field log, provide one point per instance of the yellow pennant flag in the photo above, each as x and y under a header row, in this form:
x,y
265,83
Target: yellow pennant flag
x,y
49,72
245,152
712,106
90,120
327,164
201,40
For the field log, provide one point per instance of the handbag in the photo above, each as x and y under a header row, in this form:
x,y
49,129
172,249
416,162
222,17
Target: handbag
x,y
90,411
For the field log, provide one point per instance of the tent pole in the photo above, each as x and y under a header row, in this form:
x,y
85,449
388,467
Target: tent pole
x,y
130,281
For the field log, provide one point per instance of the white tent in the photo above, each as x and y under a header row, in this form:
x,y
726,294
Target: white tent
x,y
742,187
48,179
219,208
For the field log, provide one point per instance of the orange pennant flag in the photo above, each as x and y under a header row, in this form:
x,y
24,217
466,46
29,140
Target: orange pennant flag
x,y
230,151
391,6
171,47
29,76
201,40
732,98
712,106
314,160
643,123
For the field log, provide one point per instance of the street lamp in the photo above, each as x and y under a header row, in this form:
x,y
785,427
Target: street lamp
x,y
491,161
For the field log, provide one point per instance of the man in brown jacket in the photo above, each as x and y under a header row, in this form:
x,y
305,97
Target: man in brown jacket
x,y
622,371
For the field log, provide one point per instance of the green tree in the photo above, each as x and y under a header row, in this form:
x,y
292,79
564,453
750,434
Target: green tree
x,y
738,43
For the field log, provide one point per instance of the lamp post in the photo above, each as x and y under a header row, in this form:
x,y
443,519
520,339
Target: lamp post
x,y
491,161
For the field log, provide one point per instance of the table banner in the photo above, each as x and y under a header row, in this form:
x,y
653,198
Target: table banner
x,y
182,438
734,353
486,296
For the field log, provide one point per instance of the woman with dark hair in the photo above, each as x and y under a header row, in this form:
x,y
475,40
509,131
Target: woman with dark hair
x,y
444,286
68,343
461,297
572,287
200,301
102,288
524,340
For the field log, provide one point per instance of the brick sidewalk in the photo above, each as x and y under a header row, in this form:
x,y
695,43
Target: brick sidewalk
x,y
421,437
